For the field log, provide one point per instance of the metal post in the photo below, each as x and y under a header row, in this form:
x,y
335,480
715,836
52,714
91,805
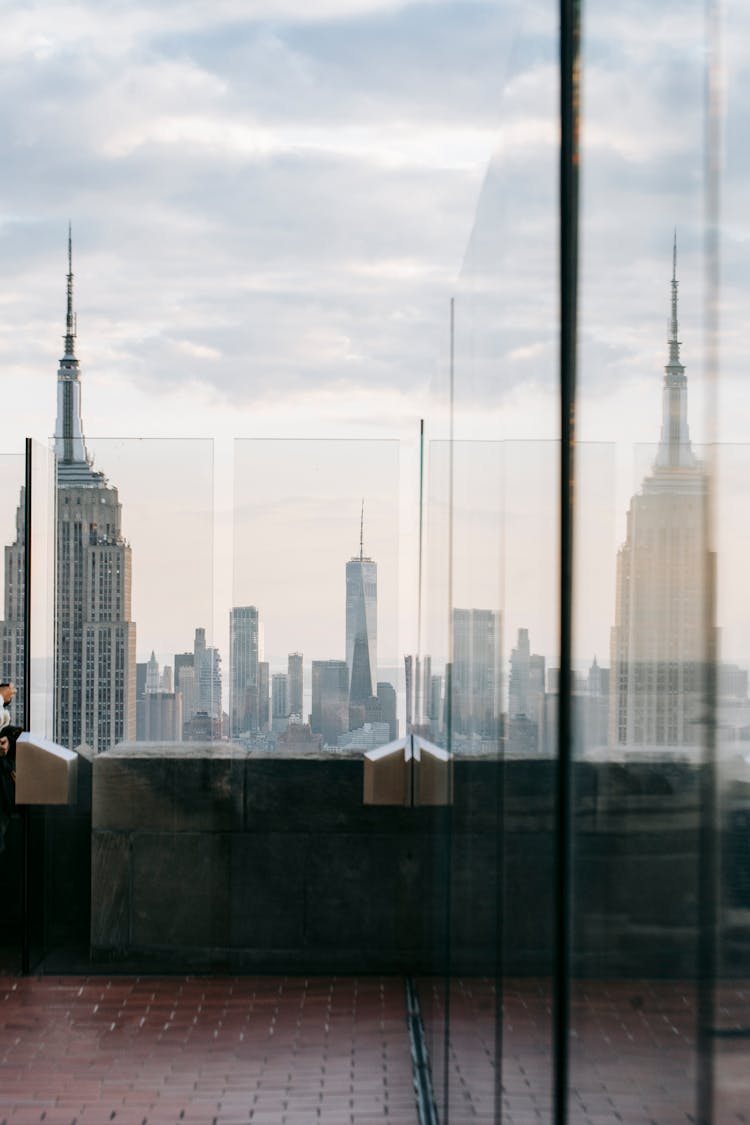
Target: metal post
x,y
568,218
25,721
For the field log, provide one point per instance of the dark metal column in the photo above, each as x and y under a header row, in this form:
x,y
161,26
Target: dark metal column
x,y
568,218
25,720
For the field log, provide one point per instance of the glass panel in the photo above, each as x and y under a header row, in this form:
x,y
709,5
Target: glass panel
x,y
43,467
639,803
135,579
726,296
12,522
314,632
731,999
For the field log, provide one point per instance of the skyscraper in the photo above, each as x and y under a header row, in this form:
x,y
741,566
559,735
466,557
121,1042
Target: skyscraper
x,y
207,666
244,655
658,639
294,673
475,688
361,623
94,697
330,693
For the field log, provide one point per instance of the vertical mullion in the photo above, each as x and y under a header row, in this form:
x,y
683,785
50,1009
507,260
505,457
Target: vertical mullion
x,y
568,280
26,717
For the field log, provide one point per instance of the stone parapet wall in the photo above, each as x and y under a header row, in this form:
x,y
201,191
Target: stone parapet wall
x,y
204,859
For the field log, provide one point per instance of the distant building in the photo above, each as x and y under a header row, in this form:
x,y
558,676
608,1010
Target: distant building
x,y
526,684
152,674
368,737
388,708
188,692
244,657
162,717
474,671
330,699
525,696
202,728
95,681
658,643
207,666
298,738
182,660
361,623
264,691
294,673
279,701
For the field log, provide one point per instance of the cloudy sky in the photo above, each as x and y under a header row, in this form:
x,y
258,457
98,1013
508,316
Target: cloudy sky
x,y
273,202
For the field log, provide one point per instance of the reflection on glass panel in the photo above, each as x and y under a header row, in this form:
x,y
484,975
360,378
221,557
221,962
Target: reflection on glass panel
x,y
42,644
140,543
12,526
731,1000
314,643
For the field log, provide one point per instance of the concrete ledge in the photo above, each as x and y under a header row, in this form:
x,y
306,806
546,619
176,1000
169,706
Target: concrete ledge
x,y
204,857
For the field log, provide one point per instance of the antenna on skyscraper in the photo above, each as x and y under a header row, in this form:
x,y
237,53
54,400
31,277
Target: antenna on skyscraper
x,y
70,320
674,343
362,531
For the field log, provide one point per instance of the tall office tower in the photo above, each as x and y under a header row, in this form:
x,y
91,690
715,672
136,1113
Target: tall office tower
x,y
330,699
595,707
279,702
264,688
182,660
209,683
294,672
95,678
188,691
207,666
527,675
244,655
387,706
475,686
162,716
658,639
426,682
361,623
165,679
436,695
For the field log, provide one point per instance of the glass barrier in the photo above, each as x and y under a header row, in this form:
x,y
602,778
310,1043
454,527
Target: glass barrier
x,y
315,661
730,1001
134,613
13,523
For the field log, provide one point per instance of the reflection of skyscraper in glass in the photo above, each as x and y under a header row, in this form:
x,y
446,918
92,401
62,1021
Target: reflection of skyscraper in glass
x,y
658,639
361,623
475,694
294,674
244,654
95,637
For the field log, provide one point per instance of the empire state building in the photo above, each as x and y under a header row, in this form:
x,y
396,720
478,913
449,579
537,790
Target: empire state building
x,y
658,640
94,697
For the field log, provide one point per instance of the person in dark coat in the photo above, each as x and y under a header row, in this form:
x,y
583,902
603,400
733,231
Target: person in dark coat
x,y
8,737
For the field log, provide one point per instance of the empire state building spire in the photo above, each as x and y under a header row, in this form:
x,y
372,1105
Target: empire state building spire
x,y
675,450
73,462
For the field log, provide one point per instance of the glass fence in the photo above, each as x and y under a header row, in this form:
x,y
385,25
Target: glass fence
x,y
313,698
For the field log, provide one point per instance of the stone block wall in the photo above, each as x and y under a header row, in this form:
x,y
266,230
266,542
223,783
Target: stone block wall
x,y
209,859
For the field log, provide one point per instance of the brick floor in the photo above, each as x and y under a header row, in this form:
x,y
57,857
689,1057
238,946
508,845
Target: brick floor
x,y
290,1051
162,1051
633,1056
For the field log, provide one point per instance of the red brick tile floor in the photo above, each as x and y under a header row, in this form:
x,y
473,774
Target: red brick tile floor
x,y
633,1054
163,1051
290,1051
